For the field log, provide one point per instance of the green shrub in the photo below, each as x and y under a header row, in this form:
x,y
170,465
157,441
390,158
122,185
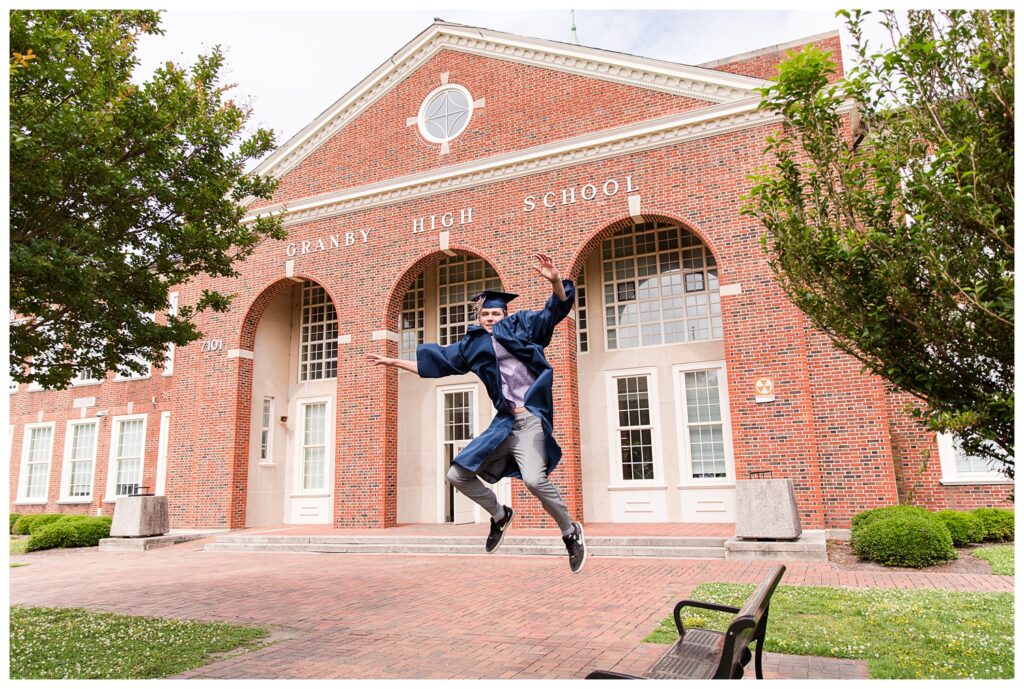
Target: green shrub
x,y
964,527
56,535
24,523
89,530
43,520
14,517
865,518
998,523
906,540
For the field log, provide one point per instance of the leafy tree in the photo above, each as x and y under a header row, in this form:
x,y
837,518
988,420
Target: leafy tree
x,y
895,235
119,190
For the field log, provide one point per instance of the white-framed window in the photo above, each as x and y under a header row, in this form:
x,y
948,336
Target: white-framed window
x,y
702,416
582,333
460,277
410,321
266,431
314,446
172,310
445,113
660,287
634,427
80,442
36,452
127,454
318,347
959,467
88,377
12,386
121,375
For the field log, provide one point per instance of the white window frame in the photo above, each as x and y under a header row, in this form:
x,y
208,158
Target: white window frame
x,y
172,299
269,460
614,441
149,365
686,478
161,453
299,361
65,478
115,423
23,499
300,415
421,118
953,477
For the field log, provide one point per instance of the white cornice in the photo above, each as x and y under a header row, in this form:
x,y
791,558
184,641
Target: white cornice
x,y
692,82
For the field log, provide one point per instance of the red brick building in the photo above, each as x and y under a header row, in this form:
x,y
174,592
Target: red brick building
x,y
682,370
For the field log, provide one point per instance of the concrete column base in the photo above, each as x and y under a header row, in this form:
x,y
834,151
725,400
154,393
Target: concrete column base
x,y
141,515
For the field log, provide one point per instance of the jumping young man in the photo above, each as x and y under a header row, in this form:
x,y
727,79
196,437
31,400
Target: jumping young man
x,y
507,353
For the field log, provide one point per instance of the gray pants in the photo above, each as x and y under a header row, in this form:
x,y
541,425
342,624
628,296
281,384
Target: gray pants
x,y
525,444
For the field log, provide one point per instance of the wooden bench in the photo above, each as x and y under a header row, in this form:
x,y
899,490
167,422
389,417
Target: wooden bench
x,y
705,654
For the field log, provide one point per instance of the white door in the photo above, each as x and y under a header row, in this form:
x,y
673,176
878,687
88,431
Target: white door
x,y
464,510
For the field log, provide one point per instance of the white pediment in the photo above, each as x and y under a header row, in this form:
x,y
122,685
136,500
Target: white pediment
x,y
693,82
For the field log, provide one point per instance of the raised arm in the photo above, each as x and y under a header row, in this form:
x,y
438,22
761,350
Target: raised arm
x,y
549,272
379,360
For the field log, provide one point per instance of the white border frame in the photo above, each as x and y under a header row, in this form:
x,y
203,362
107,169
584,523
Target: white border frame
x,y
616,482
270,435
421,122
161,454
474,424
950,475
300,414
65,472
22,499
172,301
108,495
686,479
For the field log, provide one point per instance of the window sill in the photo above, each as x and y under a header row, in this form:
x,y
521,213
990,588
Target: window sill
x,y
266,464
87,384
641,486
310,495
703,486
31,502
129,380
69,501
977,482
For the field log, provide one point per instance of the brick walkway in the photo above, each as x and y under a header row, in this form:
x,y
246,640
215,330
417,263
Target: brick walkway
x,y
396,616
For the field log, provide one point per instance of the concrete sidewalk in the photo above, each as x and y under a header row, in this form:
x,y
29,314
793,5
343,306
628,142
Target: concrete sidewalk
x,y
396,616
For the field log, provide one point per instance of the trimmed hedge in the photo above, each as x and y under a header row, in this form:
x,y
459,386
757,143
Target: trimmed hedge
x,y
24,523
43,520
90,530
964,527
55,535
865,518
905,540
998,523
14,517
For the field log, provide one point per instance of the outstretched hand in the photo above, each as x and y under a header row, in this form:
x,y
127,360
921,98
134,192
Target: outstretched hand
x,y
547,269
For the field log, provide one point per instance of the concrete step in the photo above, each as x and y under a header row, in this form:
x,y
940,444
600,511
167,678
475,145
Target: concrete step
x,y
619,546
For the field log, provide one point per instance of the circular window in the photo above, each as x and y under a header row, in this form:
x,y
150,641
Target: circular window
x,y
445,113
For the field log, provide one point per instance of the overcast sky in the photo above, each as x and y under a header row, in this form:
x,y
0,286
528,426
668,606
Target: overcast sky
x,y
292,65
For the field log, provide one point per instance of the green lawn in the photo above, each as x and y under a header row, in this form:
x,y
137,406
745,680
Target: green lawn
x,y
19,545
70,643
903,634
999,556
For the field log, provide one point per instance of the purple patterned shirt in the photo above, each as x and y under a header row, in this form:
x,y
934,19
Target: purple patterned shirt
x,y
516,379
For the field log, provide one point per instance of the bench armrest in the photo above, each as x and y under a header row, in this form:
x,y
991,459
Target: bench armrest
x,y
697,604
607,674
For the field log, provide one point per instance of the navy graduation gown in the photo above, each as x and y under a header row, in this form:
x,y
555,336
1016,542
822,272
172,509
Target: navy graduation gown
x,y
524,334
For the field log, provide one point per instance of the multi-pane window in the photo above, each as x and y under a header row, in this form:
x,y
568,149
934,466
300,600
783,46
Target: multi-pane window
x,y
410,321
130,440
634,427
314,446
457,416
37,462
87,376
582,335
318,348
704,429
660,287
459,278
266,418
81,459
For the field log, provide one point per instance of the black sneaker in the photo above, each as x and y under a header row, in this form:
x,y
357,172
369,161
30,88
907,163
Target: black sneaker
x,y
498,529
576,546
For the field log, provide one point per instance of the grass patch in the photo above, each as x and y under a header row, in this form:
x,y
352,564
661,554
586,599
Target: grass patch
x,y
19,546
999,556
19,564
71,643
902,634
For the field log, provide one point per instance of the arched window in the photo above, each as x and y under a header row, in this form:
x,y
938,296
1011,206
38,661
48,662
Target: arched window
x,y
660,287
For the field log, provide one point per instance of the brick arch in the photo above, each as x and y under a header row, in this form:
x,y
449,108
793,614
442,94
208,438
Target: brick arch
x,y
254,314
394,300
592,244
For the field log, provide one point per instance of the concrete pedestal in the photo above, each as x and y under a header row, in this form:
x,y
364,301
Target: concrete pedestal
x,y
140,515
766,509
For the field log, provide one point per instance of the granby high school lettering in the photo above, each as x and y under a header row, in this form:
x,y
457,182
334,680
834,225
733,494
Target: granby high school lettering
x,y
334,241
588,192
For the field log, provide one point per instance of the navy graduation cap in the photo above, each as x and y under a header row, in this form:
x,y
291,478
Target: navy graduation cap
x,y
493,299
